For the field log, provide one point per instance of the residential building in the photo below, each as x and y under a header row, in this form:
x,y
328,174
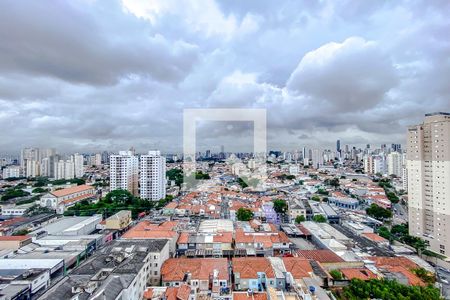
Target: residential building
x,y
124,172
78,165
152,176
201,274
11,172
428,164
395,164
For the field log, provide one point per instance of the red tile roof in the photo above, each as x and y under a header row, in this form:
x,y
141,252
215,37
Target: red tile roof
x,y
322,256
381,261
249,267
299,267
358,273
245,296
15,238
375,237
72,190
174,269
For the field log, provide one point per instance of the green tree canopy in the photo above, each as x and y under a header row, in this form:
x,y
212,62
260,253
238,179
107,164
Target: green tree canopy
x,y
299,219
244,214
280,206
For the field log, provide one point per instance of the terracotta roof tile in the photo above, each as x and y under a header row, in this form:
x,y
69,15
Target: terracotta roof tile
x,y
175,269
358,273
72,190
323,256
248,267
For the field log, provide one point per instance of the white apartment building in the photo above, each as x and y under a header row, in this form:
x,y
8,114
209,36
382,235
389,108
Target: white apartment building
x,y
428,167
64,169
32,168
395,164
11,172
124,172
78,164
153,176
374,164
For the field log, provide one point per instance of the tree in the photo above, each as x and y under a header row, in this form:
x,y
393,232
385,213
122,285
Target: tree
x,y
319,219
386,289
244,214
280,206
378,212
39,190
21,232
392,197
384,232
336,274
315,198
299,219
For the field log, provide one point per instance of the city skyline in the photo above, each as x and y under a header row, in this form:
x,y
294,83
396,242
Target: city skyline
x,y
109,75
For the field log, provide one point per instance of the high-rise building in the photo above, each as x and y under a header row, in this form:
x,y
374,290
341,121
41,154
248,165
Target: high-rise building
x,y
32,168
152,176
78,162
395,164
428,167
11,172
338,146
64,169
28,154
124,172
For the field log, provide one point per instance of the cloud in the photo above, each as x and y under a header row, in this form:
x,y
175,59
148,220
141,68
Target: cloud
x,y
86,44
95,75
352,75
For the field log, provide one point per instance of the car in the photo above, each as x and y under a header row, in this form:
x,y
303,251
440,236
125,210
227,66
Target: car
x,y
444,281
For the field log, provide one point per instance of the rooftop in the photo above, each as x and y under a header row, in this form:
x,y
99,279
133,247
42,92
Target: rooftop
x,y
72,190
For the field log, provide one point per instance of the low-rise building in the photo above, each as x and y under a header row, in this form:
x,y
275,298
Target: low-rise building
x,y
14,242
121,270
203,275
119,221
60,200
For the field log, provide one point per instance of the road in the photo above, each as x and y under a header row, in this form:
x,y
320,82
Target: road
x,y
444,279
400,214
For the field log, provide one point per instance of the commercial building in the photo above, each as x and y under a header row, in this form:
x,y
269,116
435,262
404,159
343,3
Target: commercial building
x,y
152,176
428,164
119,221
121,270
124,172
14,242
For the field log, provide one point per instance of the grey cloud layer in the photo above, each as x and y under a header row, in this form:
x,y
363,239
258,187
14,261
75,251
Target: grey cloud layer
x,y
92,75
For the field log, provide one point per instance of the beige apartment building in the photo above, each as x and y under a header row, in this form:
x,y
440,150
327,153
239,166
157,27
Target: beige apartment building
x,y
428,165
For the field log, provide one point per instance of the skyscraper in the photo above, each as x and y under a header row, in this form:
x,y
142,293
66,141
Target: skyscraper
x,y
428,167
152,177
124,172
338,146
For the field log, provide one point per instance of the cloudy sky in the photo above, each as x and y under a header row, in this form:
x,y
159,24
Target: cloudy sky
x,y
87,75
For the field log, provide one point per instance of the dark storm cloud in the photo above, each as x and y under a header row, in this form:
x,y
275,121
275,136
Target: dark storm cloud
x,y
90,75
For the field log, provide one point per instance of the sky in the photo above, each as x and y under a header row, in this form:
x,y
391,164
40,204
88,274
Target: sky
x,y
91,75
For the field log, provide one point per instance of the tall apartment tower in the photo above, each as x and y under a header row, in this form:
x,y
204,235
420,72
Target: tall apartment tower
x,y
124,172
428,167
395,164
78,161
153,176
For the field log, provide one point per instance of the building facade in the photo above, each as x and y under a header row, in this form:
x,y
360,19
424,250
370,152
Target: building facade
x,y
153,176
428,166
124,172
